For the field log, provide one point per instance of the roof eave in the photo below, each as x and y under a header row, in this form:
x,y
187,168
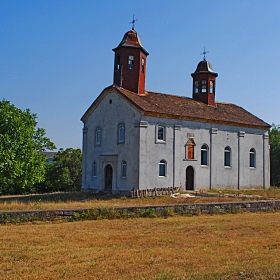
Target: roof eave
x,y
197,119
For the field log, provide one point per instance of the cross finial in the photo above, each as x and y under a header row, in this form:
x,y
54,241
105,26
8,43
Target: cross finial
x,y
133,22
204,53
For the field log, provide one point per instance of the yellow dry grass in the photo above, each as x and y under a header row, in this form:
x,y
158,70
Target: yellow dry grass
x,y
87,200
240,246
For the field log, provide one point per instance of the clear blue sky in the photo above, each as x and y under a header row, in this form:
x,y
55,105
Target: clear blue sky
x,y
56,55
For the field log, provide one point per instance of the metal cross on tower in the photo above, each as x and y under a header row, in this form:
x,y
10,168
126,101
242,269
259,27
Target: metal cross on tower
x,y
133,22
204,53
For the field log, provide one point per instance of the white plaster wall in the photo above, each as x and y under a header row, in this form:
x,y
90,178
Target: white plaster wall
x,y
108,117
215,175
143,154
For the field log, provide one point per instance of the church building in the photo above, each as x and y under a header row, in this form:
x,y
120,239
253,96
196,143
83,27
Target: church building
x,y
135,139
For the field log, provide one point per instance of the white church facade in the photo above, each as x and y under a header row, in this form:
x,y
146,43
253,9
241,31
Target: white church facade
x,y
134,139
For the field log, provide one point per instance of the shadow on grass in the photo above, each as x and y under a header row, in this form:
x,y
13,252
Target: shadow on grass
x,y
56,197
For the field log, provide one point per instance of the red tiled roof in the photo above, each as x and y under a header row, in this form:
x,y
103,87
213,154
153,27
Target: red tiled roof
x,y
179,107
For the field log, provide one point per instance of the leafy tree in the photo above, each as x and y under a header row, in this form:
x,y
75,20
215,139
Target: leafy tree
x,y
21,164
64,173
72,160
274,137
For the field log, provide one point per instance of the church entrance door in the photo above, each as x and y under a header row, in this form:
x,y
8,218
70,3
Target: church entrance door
x,y
189,178
108,177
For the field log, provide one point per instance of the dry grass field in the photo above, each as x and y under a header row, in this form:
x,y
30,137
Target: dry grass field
x,y
87,200
233,246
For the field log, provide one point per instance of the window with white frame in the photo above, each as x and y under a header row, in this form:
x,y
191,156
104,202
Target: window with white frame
x,y
121,133
162,168
94,169
227,156
252,158
190,149
203,86
204,155
124,166
98,136
130,62
160,133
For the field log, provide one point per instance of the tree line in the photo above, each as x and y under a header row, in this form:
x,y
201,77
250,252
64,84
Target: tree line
x,y
24,169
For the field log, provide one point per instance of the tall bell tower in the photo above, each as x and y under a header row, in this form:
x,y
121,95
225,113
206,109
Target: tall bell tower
x,y
130,63
204,82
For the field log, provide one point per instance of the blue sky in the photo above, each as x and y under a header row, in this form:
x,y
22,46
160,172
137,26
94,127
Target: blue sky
x,y
56,55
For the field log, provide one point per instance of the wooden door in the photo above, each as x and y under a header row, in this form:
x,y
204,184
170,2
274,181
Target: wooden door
x,y
189,178
108,177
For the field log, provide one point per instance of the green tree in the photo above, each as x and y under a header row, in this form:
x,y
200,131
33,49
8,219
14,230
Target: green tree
x,y
72,160
274,137
21,164
64,173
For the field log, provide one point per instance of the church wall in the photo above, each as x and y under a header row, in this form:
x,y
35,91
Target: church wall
x,y
152,152
212,176
108,116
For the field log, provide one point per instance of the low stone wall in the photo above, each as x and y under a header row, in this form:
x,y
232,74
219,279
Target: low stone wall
x,y
180,209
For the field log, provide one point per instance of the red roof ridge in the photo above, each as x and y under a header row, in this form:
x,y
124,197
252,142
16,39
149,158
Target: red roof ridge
x,y
182,107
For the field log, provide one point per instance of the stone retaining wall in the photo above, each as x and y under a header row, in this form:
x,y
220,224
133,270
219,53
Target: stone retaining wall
x,y
182,209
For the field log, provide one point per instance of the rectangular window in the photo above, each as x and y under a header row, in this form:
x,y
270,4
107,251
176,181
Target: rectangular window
x,y
160,133
119,62
196,87
190,152
203,85
143,65
211,87
130,62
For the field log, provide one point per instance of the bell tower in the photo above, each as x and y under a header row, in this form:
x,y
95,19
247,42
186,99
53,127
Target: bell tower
x,y
204,82
130,63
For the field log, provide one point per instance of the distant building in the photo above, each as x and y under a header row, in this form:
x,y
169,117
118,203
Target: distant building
x,y
49,155
138,139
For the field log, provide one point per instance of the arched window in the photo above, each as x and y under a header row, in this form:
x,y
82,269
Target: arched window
x,y
204,155
121,134
124,165
162,168
190,149
94,169
253,158
227,156
98,136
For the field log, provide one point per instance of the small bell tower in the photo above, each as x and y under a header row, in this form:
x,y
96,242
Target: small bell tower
x,y
130,62
204,82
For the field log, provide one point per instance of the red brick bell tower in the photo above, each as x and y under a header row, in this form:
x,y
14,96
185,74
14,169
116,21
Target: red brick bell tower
x,y
204,82
130,63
